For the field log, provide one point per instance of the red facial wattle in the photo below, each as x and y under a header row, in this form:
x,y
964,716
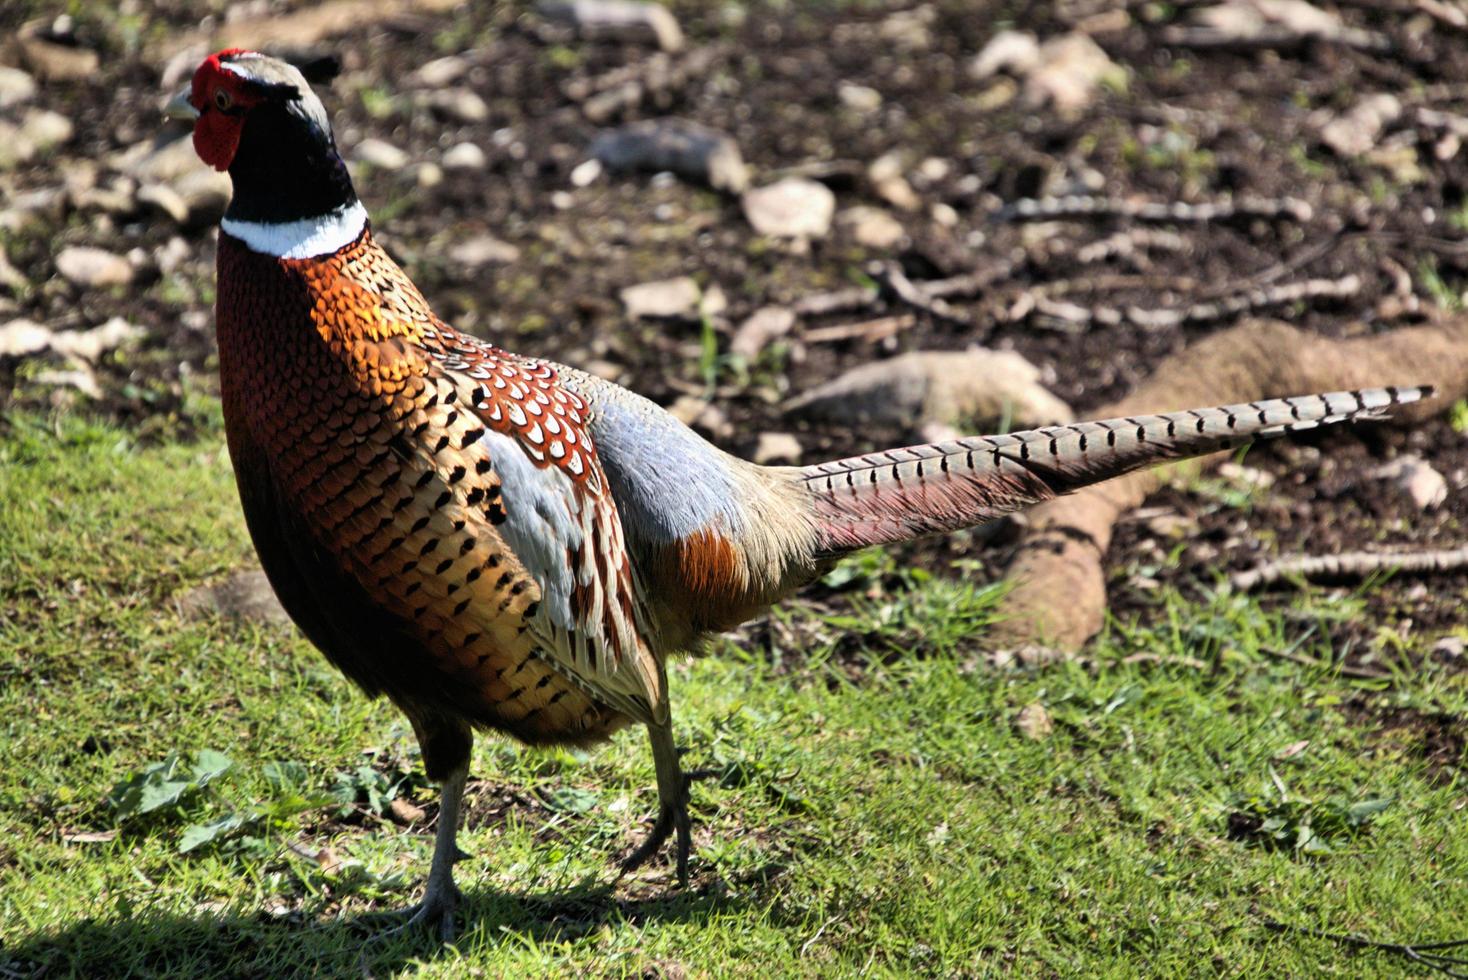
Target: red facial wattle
x,y
216,133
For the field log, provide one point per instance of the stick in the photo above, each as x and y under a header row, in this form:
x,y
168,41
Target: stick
x,y
1352,565
870,330
1425,953
1089,206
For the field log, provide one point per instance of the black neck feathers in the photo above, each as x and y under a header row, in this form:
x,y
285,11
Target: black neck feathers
x,y
286,167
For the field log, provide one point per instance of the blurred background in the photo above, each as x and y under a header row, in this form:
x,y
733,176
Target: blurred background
x,y
728,206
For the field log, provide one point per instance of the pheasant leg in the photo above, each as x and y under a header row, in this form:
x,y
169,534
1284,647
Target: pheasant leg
x,y
441,897
673,805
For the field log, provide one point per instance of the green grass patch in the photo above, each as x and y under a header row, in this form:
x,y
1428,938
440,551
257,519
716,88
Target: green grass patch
x,y
202,798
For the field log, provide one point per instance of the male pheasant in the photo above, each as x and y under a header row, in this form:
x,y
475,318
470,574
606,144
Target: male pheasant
x,y
496,541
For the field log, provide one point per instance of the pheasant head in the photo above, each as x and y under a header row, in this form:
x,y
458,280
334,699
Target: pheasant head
x,y
256,117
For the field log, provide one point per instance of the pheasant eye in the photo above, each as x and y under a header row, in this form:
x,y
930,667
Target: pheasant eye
x,y
222,99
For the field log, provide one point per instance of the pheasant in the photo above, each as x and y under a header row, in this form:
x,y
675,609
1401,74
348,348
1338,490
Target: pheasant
x,y
501,542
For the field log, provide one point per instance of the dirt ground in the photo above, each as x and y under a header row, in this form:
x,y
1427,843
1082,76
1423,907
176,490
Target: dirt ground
x,y
827,90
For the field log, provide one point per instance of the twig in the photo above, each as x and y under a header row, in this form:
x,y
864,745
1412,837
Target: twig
x,y
869,330
1157,658
1352,565
1272,37
1345,670
838,301
890,274
1074,317
1425,953
1126,244
1089,206
631,86
1254,299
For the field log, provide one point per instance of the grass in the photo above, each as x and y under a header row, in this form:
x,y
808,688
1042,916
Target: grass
x,y
878,809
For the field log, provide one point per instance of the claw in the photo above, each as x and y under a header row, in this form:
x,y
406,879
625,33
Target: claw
x,y
436,911
671,818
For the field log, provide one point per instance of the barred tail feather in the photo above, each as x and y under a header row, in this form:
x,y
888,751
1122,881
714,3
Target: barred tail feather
x,y
906,493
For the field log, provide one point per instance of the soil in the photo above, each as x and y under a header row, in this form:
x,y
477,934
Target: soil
x,y
1188,126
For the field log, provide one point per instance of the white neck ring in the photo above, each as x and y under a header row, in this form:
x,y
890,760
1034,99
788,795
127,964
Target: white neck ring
x,y
305,238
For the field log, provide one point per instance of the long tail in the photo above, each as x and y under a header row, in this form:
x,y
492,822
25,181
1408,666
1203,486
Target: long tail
x,y
906,493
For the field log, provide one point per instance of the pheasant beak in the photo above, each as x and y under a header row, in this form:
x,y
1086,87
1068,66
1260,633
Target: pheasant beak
x,y
179,107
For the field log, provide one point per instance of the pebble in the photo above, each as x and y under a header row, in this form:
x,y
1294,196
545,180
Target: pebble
x,y
16,87
1417,480
46,129
380,154
22,338
243,596
585,173
1034,723
617,20
458,105
165,200
662,299
483,250
791,208
93,268
872,227
465,156
205,192
862,98
440,71
429,174
763,325
776,447
688,149
53,62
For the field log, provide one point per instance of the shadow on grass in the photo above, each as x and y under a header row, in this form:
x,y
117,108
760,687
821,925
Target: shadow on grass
x,y
225,945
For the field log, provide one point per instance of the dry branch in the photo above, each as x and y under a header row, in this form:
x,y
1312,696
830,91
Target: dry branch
x,y
1352,565
1089,206
1059,595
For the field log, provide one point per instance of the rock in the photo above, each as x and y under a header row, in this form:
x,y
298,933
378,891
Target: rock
x,y
1415,479
173,255
909,29
440,72
665,298
887,180
15,149
1354,132
52,61
205,192
1014,52
23,338
46,129
1247,477
483,250
1064,72
585,173
699,414
93,268
243,596
617,20
380,154
81,379
764,325
161,163
1072,67
166,201
791,208
464,156
872,227
861,98
936,386
775,448
459,105
118,198
16,87
11,278
404,812
1033,722
694,152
